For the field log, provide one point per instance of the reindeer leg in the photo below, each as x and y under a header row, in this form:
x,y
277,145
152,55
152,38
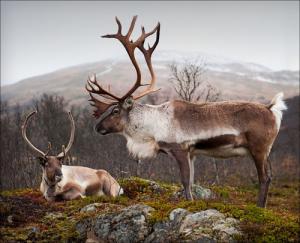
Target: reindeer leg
x,y
69,192
192,168
72,194
185,165
185,172
263,177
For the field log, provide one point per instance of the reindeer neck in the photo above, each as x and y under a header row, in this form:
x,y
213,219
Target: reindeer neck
x,y
148,122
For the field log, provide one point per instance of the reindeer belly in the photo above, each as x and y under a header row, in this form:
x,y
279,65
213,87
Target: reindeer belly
x,y
223,146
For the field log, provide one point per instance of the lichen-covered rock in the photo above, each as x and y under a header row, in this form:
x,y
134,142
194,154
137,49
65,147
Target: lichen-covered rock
x,y
161,233
205,226
178,213
209,224
128,225
198,192
90,207
83,227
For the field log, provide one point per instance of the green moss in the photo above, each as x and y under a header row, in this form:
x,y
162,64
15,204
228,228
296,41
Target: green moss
x,y
20,192
262,225
278,223
60,229
222,192
162,210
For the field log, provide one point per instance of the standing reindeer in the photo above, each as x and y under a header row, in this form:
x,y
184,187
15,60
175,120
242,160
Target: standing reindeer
x,y
183,129
62,182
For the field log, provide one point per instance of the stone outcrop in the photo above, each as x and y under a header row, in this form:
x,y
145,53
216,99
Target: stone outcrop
x,y
133,224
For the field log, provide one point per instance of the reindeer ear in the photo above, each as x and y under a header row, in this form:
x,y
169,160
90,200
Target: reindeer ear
x,y
128,103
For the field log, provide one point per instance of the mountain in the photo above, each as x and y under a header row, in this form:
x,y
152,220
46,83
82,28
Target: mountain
x,y
234,78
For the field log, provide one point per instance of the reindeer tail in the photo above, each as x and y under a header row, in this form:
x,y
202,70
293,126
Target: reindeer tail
x,y
277,105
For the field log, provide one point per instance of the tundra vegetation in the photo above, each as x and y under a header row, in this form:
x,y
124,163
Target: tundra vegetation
x,y
27,217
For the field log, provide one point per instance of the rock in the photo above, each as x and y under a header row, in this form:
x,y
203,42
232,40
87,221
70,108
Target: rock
x,y
206,217
128,225
224,229
177,215
209,224
90,208
83,227
198,192
131,225
168,230
161,232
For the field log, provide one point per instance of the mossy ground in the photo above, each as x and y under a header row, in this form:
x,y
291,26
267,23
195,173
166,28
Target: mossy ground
x,y
26,216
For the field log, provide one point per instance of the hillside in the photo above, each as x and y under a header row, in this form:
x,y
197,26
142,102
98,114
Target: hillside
x,y
235,79
152,212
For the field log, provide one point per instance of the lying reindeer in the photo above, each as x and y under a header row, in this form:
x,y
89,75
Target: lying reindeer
x,y
62,182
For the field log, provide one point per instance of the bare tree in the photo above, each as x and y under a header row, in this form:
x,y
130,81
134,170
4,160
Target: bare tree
x,y
190,83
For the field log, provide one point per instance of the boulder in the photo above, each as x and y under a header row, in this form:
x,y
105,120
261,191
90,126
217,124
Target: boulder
x,y
209,224
131,224
205,226
128,225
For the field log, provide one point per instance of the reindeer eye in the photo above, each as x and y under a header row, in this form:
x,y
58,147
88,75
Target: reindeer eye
x,y
116,110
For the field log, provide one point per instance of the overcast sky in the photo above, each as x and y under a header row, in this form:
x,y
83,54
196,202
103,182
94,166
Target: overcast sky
x,y
39,36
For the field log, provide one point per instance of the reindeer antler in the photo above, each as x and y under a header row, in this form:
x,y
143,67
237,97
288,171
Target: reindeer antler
x,y
24,134
38,151
130,47
71,140
93,87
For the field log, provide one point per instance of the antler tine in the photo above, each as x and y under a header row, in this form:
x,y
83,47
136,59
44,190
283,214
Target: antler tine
x,y
119,32
119,26
141,40
70,143
118,35
48,149
131,27
24,134
90,87
148,54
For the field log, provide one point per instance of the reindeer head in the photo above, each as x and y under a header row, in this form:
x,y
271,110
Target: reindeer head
x,y
51,165
113,115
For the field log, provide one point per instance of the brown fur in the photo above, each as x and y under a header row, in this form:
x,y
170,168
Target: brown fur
x,y
69,191
222,140
227,113
109,183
